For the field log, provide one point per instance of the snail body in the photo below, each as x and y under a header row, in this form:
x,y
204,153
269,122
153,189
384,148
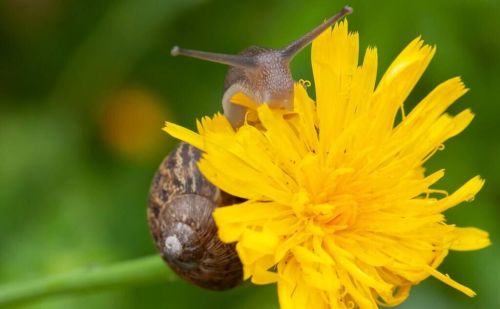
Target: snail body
x,y
182,200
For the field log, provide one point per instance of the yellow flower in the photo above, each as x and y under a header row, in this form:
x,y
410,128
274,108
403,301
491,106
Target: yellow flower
x,y
340,212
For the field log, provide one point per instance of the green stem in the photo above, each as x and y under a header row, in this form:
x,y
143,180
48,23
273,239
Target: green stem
x,y
144,270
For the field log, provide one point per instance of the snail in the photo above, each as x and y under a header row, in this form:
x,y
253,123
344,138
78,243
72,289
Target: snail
x,y
181,199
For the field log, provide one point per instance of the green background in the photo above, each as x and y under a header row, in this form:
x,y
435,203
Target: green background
x,y
86,85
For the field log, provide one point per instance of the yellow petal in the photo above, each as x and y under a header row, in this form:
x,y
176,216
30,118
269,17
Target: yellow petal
x,y
470,238
305,107
261,276
446,279
259,241
250,212
464,193
334,60
363,85
397,83
184,134
243,100
306,256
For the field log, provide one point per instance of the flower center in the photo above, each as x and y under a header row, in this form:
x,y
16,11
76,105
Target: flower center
x,y
336,213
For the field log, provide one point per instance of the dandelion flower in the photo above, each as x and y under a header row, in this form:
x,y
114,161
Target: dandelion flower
x,y
339,210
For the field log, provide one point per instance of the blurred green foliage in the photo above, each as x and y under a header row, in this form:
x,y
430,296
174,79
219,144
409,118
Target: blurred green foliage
x,y
86,85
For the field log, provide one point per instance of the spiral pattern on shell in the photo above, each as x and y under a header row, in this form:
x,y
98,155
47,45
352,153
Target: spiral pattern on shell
x,y
181,203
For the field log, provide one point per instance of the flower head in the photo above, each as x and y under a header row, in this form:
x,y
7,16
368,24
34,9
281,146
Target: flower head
x,y
339,211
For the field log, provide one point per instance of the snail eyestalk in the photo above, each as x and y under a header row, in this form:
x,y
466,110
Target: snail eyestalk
x,y
296,46
232,60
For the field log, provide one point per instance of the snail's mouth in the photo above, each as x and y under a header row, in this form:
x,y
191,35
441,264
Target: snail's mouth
x,y
282,104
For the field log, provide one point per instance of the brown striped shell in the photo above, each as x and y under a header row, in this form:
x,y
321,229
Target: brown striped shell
x,y
181,202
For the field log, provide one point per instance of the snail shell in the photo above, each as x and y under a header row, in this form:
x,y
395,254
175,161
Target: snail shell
x,y
181,203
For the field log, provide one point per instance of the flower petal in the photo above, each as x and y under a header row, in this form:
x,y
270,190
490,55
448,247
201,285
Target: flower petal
x,y
470,238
